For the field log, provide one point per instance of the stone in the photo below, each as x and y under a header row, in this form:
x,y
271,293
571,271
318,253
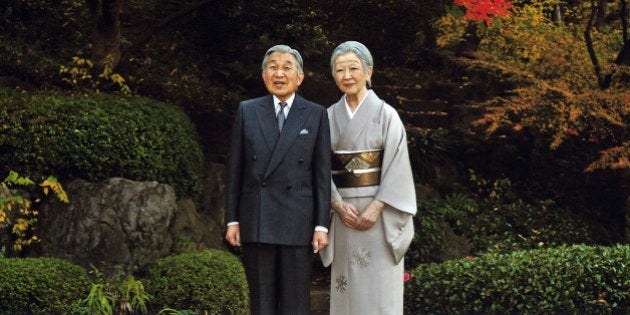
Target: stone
x,y
198,229
117,225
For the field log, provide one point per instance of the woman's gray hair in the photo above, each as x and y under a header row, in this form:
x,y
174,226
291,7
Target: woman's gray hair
x,y
284,49
359,50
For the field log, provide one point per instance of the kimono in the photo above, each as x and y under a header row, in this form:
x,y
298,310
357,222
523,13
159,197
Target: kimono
x,y
368,266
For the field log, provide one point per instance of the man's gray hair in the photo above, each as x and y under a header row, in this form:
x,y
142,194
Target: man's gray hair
x,y
358,49
284,49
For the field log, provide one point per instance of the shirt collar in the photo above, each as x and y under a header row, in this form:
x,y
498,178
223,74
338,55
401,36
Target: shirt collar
x,y
289,102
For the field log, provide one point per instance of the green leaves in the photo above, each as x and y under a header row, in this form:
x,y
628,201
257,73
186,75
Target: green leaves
x,y
97,137
574,278
208,280
25,218
40,285
15,179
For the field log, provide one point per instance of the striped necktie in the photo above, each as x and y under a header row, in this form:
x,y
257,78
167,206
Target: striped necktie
x,y
281,116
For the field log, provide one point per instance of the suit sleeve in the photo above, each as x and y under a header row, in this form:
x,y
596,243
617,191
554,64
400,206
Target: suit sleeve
x,y
321,172
234,170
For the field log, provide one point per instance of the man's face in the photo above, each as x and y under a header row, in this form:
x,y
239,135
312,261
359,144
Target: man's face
x,y
281,75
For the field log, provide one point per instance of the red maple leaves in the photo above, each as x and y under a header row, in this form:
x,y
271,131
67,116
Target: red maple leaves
x,y
484,10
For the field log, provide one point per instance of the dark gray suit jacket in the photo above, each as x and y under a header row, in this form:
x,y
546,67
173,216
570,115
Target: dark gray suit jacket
x,y
279,184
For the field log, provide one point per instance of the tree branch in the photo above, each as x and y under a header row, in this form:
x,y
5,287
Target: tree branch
x,y
624,20
589,44
162,24
623,58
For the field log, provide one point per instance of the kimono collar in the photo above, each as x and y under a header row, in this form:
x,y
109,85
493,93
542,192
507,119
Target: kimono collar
x,y
350,112
350,129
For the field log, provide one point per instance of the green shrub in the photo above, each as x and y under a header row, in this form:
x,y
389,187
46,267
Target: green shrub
x,y
209,280
569,279
494,217
492,225
40,285
100,136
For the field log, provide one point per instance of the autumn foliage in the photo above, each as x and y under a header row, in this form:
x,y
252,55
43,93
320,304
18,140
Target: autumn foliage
x,y
484,10
25,221
557,98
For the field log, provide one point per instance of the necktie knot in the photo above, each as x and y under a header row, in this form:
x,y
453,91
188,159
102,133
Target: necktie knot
x,y
281,117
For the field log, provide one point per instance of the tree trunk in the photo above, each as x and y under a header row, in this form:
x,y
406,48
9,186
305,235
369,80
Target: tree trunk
x,y
589,44
601,14
105,18
137,45
623,58
470,41
557,13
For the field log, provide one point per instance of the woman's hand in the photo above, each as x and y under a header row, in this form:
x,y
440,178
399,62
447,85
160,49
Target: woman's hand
x,y
370,215
347,212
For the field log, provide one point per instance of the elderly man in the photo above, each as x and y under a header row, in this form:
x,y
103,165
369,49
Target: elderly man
x,y
278,205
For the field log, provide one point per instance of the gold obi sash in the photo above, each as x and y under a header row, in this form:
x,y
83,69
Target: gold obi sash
x,y
357,168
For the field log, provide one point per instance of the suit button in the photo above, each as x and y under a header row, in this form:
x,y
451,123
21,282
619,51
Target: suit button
x,y
264,184
289,187
254,157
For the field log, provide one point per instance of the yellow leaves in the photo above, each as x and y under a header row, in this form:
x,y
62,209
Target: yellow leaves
x,y
24,223
51,183
20,226
80,75
83,62
451,30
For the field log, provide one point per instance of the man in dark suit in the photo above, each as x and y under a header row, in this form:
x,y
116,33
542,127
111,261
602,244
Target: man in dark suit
x,y
278,202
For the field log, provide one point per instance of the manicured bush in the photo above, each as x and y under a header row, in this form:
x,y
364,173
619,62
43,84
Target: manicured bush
x,y
576,279
493,216
210,280
40,285
97,137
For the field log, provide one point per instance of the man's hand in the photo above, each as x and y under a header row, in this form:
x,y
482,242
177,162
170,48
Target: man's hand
x,y
320,240
233,235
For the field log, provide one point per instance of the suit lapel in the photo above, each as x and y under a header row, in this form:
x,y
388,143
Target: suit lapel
x,y
290,132
266,114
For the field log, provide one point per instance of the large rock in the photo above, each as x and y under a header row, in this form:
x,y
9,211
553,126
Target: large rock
x,y
214,190
117,225
197,229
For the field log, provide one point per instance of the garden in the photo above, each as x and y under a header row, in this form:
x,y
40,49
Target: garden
x,y
516,113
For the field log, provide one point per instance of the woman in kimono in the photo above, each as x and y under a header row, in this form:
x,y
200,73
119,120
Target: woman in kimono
x,y
373,193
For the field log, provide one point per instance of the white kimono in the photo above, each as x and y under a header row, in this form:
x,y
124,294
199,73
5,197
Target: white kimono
x,y
368,266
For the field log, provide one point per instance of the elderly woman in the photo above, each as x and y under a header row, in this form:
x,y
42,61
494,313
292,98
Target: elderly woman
x,y
373,196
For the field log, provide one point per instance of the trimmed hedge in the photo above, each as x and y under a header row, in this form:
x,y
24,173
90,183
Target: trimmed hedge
x,y
40,285
210,280
97,137
504,223
569,279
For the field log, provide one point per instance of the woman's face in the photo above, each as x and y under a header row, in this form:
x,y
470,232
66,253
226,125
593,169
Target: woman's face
x,y
350,74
